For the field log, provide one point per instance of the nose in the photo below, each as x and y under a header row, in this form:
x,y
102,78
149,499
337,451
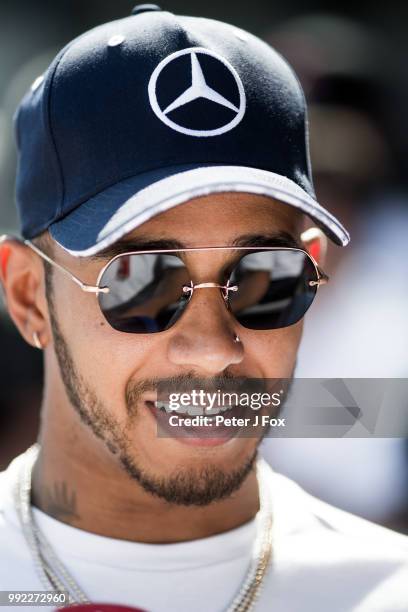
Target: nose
x,y
204,337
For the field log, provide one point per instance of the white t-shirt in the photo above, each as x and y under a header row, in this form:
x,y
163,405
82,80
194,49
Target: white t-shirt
x,y
324,560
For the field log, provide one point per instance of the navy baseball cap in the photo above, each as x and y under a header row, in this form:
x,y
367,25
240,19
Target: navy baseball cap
x,y
144,113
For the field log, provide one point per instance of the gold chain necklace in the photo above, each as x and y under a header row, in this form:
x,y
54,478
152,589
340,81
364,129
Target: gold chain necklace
x,y
54,575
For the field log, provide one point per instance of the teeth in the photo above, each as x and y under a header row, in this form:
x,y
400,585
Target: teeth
x,y
191,410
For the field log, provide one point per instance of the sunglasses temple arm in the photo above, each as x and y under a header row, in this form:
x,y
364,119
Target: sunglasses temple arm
x,y
83,286
322,278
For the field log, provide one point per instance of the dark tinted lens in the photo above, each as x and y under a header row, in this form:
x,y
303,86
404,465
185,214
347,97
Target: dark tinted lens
x,y
273,288
145,292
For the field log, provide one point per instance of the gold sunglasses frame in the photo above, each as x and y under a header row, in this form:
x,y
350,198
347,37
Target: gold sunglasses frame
x,y
322,278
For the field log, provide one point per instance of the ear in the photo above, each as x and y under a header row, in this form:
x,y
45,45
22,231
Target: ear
x,y
22,280
315,243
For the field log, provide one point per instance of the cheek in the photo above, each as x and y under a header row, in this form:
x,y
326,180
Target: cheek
x,y
105,358
275,351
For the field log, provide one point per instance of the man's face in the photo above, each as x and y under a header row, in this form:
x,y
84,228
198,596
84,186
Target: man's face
x,y
111,376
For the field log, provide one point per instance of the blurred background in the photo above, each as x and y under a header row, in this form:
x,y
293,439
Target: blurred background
x,y
351,60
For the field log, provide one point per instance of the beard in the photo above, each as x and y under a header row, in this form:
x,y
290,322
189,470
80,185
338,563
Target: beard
x,y
186,486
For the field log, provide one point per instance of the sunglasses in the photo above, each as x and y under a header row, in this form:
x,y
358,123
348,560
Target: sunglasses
x,y
145,292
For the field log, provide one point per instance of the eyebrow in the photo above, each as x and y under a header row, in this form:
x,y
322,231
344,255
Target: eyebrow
x,y
274,239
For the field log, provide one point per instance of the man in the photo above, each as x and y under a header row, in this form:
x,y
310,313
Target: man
x,y
158,152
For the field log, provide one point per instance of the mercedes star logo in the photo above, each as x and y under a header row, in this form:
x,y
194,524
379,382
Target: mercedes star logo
x,y
199,89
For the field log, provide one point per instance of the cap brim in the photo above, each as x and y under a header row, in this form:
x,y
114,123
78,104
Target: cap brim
x,y
119,209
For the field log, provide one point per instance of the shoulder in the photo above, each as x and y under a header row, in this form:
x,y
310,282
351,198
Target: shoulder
x,y
16,570
298,512
9,528
336,560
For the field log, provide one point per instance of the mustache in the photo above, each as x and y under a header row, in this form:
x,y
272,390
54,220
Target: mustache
x,y
185,383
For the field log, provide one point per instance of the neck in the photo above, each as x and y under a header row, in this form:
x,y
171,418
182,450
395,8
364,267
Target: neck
x,y
78,482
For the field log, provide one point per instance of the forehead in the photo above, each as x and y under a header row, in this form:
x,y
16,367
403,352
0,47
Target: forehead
x,y
223,216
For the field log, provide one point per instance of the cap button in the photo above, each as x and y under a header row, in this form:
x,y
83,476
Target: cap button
x,y
144,8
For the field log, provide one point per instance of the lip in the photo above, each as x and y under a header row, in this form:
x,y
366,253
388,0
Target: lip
x,y
202,436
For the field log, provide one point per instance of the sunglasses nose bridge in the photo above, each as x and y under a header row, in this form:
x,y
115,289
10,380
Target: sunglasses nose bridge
x,y
210,298
205,336
225,289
